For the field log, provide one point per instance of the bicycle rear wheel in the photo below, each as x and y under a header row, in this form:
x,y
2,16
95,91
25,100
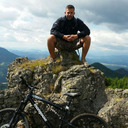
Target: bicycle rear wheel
x,y
7,114
88,121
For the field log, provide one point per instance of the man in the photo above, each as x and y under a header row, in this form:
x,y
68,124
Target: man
x,y
69,33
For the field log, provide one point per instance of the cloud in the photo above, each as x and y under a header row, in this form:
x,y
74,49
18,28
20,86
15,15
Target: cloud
x,y
27,23
112,13
109,42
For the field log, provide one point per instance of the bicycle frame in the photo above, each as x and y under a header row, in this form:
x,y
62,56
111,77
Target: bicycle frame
x,y
30,97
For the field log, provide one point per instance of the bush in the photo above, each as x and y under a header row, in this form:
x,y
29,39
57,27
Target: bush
x,y
121,83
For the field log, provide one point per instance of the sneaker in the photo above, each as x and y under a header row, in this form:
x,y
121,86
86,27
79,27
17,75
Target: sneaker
x,y
85,63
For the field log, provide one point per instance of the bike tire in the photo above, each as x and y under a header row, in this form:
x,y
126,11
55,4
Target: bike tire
x,y
7,114
86,120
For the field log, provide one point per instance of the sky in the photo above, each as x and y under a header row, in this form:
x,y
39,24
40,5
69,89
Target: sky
x,y
26,24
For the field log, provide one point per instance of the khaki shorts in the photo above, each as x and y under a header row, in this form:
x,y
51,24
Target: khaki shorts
x,y
68,46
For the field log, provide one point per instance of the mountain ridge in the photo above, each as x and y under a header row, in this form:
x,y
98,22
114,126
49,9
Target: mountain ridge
x,y
108,72
6,57
122,71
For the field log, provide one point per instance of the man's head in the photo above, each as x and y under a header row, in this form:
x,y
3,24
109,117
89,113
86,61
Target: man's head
x,y
70,12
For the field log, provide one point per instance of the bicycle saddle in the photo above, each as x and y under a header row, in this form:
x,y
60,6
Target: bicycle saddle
x,y
72,94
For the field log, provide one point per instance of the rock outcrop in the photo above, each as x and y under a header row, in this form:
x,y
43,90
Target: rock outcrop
x,y
115,111
53,80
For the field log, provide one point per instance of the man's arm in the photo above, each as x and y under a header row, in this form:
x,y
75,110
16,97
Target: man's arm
x,y
84,30
56,29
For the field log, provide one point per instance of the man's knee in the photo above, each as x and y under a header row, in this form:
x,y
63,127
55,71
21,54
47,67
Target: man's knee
x,y
51,38
86,40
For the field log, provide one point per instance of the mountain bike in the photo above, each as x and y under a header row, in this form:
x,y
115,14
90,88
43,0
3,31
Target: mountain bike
x,y
16,118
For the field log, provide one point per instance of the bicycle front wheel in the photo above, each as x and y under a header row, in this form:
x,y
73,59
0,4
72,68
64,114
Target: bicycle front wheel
x,y
6,115
88,121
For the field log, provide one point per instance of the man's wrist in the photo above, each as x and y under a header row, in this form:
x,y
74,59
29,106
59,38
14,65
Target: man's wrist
x,y
76,36
63,37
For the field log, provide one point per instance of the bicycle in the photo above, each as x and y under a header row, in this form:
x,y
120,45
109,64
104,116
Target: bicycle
x,y
16,118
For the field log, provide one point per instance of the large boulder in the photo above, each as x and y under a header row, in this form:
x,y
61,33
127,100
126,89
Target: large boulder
x,y
52,81
115,111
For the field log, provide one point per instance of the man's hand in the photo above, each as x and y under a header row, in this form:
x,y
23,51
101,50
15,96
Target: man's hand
x,y
70,38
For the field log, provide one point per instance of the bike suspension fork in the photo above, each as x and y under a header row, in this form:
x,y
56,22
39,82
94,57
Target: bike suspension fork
x,y
41,114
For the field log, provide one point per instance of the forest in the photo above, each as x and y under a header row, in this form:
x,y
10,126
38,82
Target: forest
x,y
121,83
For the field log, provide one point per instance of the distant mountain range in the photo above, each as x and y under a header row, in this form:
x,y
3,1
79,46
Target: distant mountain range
x,y
6,57
111,73
31,54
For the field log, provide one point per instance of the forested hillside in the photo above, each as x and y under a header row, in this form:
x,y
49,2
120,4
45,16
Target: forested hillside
x,y
114,79
3,72
117,83
6,58
108,72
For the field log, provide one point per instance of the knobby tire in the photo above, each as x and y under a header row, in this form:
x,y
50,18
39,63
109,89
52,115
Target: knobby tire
x,y
88,121
7,114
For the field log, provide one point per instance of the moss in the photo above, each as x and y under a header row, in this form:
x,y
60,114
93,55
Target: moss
x,y
32,64
51,87
92,70
58,59
69,86
58,68
118,99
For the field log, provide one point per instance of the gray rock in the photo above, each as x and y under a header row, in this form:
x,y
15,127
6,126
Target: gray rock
x,y
115,111
52,82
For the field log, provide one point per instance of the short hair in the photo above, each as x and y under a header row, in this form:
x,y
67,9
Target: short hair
x,y
70,7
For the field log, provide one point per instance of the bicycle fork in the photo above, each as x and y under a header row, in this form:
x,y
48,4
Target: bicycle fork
x,y
41,114
14,119
19,111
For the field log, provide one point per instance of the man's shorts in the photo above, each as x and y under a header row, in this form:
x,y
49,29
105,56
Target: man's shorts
x,y
68,46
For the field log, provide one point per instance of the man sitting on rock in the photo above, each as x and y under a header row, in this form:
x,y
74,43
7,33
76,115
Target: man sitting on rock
x,y
69,33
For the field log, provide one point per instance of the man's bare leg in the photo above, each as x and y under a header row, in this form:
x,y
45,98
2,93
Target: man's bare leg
x,y
51,45
86,44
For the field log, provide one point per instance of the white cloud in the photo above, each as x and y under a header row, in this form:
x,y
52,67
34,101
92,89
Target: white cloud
x,y
27,23
107,41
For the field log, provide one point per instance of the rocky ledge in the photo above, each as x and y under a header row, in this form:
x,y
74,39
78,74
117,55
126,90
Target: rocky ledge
x,y
53,80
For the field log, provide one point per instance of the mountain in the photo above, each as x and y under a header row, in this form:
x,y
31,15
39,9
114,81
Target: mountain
x,y
110,59
32,54
122,71
3,73
6,58
113,62
108,72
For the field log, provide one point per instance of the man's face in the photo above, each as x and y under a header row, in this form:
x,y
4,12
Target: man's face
x,y
69,13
